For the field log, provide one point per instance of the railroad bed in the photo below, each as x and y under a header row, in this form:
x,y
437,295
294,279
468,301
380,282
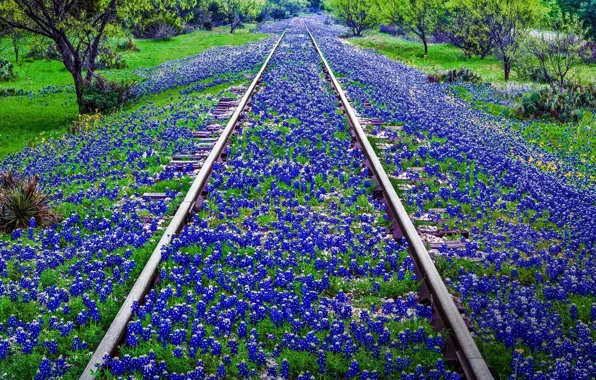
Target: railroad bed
x,y
283,259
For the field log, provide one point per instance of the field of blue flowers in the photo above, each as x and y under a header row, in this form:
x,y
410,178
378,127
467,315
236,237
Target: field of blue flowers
x,y
61,286
526,274
289,271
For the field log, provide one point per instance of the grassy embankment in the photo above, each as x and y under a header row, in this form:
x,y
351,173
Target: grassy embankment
x,y
569,138
23,119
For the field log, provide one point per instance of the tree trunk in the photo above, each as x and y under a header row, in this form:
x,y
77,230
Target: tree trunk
x,y
421,32
15,45
73,64
233,23
79,85
506,67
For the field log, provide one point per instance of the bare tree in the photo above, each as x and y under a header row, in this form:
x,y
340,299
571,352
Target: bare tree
x,y
555,53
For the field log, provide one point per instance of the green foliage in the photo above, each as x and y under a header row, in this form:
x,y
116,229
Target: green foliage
x,y
43,48
84,123
450,76
22,200
104,96
358,15
158,27
237,12
286,8
419,16
584,9
6,70
563,106
128,45
468,30
5,92
505,22
110,59
551,57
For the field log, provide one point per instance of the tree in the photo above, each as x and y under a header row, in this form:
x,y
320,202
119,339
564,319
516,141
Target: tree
x,y
166,16
235,12
467,32
418,16
15,36
75,27
585,10
290,7
506,21
555,53
358,15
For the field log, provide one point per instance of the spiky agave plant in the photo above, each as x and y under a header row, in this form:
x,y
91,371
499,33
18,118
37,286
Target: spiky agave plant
x,y
22,200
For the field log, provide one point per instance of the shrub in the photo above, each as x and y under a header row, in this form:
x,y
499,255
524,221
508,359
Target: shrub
x,y
128,45
553,57
278,13
563,106
23,203
109,59
84,123
6,71
462,75
208,25
104,96
588,52
158,28
187,29
43,48
6,92
160,32
388,29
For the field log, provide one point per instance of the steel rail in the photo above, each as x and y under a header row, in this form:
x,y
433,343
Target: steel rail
x,y
473,364
117,329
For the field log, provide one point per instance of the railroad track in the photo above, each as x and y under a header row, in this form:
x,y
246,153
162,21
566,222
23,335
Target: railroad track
x,y
213,140
467,353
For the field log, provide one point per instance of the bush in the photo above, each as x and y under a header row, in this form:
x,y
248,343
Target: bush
x,y
6,71
160,32
588,52
158,28
6,92
104,96
388,29
109,59
187,29
85,123
23,203
128,45
278,13
43,48
563,106
450,76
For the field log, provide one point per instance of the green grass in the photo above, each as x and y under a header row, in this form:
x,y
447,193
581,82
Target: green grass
x,y
567,138
22,119
447,56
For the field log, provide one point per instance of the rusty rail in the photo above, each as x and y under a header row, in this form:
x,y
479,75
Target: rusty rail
x,y
470,359
113,337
